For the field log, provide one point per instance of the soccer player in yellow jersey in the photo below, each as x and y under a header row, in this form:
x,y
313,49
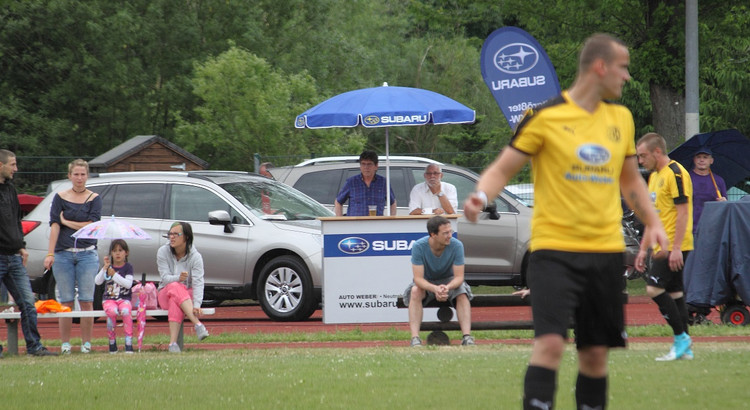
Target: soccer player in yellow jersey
x,y
671,190
582,155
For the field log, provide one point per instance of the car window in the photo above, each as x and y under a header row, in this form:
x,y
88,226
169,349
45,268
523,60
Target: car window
x,y
135,200
106,199
272,200
193,203
322,186
398,184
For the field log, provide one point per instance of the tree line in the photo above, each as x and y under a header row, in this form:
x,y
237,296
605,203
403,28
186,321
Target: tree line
x,y
225,78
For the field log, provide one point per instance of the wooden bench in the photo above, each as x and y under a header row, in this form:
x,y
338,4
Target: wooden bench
x,y
12,319
437,330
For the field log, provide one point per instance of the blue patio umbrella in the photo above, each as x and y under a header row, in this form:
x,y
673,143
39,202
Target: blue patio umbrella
x,y
730,149
385,107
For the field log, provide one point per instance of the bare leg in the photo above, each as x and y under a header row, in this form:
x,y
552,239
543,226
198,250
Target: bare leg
x,y
65,324
174,331
463,310
87,323
187,307
547,351
415,310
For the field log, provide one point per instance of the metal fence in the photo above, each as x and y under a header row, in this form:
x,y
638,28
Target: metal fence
x,y
35,173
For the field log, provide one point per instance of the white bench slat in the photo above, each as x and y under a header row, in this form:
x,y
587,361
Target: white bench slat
x,y
12,319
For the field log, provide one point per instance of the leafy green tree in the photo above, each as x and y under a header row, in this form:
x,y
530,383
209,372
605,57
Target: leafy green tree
x,y
246,106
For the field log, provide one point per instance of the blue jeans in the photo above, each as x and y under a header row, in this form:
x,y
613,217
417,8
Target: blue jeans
x,y
73,269
13,274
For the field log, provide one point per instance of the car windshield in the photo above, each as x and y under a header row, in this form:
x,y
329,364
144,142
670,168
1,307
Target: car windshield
x,y
273,200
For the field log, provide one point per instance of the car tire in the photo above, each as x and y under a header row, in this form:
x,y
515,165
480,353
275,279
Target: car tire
x,y
285,289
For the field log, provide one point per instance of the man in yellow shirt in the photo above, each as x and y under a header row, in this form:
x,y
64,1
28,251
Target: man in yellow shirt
x,y
582,155
671,190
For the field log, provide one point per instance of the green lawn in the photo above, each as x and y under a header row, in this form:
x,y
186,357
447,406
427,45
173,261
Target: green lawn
x,y
482,377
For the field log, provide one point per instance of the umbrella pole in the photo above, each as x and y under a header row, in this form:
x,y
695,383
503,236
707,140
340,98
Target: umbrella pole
x,y
387,210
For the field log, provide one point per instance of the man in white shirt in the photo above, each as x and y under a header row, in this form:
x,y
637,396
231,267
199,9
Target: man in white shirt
x,y
433,196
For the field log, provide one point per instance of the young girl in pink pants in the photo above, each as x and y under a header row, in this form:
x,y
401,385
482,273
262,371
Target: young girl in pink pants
x,y
117,277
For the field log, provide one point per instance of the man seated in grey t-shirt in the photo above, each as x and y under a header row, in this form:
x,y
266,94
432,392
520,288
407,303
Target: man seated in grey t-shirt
x,y
437,263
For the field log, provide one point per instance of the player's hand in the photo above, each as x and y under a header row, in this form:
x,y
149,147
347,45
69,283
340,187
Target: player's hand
x,y
472,207
675,261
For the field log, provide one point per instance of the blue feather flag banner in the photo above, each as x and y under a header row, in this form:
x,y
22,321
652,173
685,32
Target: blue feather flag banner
x,y
517,71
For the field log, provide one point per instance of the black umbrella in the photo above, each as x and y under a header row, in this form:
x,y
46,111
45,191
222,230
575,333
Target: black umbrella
x,y
730,149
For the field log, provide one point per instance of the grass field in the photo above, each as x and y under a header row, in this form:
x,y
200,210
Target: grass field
x,y
482,377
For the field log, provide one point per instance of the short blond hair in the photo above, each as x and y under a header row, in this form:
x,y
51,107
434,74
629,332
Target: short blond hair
x,y
78,163
653,141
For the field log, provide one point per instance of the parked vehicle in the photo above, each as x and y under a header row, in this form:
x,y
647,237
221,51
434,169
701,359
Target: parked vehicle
x,y
260,239
496,246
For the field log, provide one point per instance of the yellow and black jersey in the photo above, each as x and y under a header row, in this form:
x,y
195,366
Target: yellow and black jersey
x,y
576,161
668,187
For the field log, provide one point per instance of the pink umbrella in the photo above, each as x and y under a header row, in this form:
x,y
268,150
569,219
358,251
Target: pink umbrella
x,y
146,293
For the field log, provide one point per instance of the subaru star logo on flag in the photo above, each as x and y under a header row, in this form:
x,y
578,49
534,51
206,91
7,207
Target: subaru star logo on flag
x,y
517,71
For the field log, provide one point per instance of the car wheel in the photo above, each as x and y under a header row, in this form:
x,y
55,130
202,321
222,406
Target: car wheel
x,y
285,289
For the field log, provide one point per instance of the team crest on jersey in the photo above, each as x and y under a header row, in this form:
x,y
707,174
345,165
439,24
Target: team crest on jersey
x,y
614,134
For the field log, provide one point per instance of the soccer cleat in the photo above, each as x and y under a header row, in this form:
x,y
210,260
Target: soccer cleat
x,y
201,331
113,348
86,348
174,348
682,343
65,348
688,355
416,341
468,340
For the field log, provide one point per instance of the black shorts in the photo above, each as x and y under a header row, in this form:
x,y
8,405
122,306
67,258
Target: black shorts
x,y
661,276
585,287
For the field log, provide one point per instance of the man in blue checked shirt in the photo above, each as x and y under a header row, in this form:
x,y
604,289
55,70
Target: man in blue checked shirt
x,y
367,188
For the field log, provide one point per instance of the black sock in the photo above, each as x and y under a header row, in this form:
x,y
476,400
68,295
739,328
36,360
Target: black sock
x,y
669,310
591,393
682,308
539,388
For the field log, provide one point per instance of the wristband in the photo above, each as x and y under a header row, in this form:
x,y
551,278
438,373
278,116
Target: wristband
x,y
482,197
50,254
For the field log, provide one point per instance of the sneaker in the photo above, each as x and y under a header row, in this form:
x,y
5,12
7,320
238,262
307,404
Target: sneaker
x,y
42,351
468,340
201,331
174,348
688,355
129,349
113,348
65,348
86,348
416,341
668,357
682,343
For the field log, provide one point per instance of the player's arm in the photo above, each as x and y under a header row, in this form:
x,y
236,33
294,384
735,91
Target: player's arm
x,y
675,256
493,180
635,193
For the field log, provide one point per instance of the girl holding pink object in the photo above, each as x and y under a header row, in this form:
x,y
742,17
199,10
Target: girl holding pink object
x,y
117,277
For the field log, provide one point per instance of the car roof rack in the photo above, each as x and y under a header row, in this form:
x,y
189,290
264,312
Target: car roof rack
x,y
352,158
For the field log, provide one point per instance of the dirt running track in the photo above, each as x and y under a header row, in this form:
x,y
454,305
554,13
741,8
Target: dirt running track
x,y
251,319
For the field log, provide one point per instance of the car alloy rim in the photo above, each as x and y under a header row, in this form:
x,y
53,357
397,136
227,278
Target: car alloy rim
x,y
283,289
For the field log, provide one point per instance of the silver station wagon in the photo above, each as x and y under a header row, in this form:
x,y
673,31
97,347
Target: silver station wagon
x,y
496,246
260,239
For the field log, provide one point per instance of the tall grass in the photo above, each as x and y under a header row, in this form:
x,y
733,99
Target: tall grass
x,y
482,377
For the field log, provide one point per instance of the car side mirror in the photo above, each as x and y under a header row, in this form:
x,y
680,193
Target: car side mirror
x,y
221,218
491,210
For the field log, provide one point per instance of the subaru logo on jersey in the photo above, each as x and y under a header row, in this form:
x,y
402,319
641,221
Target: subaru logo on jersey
x,y
353,245
376,244
593,154
517,71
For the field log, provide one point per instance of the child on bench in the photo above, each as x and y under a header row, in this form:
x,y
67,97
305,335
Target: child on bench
x,y
117,276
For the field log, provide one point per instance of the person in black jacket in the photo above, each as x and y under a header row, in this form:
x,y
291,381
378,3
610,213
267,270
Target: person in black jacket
x,y
13,255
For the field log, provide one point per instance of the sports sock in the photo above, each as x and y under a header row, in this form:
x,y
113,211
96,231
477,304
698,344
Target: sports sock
x,y
591,393
539,388
668,309
682,308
